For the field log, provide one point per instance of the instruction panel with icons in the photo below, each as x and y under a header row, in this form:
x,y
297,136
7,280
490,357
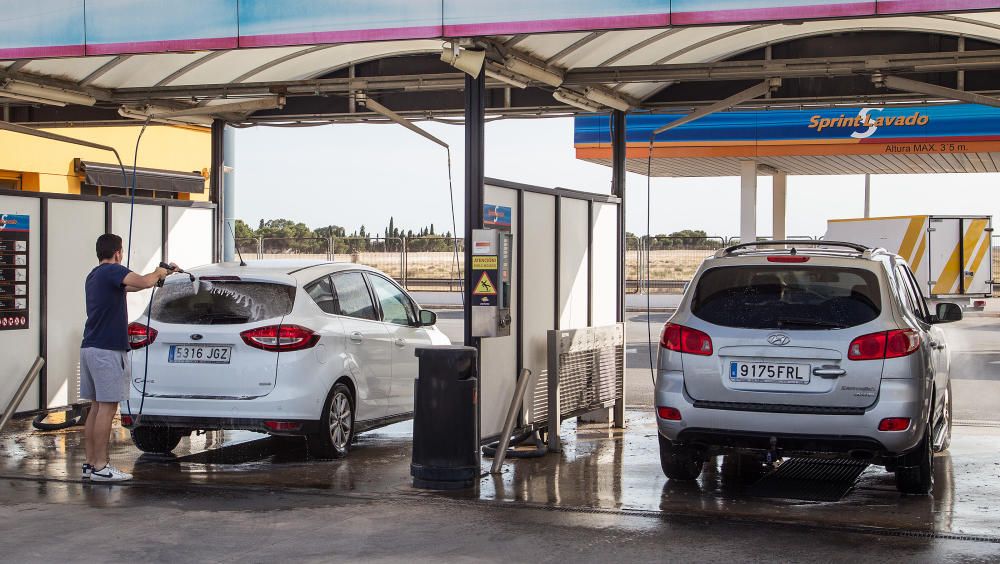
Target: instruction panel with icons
x,y
15,275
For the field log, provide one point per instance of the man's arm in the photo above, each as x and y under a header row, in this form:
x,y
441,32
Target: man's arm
x,y
135,282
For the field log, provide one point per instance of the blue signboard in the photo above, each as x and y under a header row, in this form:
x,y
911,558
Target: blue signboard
x,y
875,124
496,217
14,271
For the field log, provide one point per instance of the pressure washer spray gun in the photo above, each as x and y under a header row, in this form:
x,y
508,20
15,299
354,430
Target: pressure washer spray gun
x,y
173,270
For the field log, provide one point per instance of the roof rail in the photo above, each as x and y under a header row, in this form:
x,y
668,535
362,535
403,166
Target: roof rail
x,y
793,244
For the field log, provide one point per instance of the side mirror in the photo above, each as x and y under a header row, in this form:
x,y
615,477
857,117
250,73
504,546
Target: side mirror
x,y
947,313
428,317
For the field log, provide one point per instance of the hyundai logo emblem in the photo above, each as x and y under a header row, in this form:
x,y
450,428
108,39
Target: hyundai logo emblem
x,y
197,337
778,339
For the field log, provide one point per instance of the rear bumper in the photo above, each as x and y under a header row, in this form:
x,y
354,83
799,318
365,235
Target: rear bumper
x,y
722,427
788,442
220,423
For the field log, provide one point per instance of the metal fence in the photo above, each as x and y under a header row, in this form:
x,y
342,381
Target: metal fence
x,y
420,263
667,264
995,266
429,263
311,248
385,254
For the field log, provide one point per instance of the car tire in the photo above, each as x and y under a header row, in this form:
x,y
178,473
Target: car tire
x,y
947,416
157,440
679,463
915,472
336,425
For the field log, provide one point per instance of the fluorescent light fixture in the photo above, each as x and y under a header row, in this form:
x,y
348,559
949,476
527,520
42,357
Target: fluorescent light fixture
x,y
577,101
495,71
534,72
242,107
468,61
607,99
152,113
31,92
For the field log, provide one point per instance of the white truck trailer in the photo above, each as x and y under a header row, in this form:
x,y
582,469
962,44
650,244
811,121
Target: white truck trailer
x,y
951,256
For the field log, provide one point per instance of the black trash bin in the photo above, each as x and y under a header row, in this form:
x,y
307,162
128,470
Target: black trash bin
x,y
446,419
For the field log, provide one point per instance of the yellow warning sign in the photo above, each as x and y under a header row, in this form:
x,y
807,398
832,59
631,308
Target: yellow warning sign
x,y
484,262
484,287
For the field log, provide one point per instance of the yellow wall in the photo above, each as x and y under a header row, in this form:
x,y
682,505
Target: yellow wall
x,y
47,166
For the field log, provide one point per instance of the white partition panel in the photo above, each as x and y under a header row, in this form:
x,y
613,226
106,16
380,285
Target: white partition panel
x,y
498,373
574,227
539,282
73,229
189,236
147,248
20,347
604,282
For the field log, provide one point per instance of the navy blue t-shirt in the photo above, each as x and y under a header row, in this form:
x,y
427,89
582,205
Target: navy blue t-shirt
x,y
107,312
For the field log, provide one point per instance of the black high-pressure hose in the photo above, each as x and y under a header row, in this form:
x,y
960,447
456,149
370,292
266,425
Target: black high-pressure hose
x,y
541,449
78,415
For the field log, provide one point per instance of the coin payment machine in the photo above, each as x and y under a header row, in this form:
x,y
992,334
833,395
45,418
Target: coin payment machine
x,y
491,276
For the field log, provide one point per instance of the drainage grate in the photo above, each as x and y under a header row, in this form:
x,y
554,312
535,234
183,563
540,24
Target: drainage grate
x,y
809,480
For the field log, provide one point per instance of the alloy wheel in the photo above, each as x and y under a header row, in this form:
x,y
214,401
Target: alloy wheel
x,y
341,420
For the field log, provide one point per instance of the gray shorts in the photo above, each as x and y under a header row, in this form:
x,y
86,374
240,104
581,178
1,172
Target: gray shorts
x,y
104,375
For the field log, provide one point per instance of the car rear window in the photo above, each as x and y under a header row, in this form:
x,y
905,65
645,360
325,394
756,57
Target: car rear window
x,y
221,302
783,297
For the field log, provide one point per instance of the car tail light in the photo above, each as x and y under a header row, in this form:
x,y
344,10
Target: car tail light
x,y
894,424
140,336
283,425
280,338
887,344
686,340
787,258
901,342
668,413
127,421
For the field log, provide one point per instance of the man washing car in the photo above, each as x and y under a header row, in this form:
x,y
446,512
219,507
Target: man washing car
x,y
104,362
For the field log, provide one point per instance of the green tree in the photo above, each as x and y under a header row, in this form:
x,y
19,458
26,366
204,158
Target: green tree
x,y
243,230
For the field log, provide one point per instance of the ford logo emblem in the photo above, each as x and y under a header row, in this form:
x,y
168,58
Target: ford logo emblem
x,y
197,337
778,339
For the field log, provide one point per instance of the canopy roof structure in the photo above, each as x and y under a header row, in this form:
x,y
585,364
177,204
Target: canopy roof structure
x,y
824,61
304,62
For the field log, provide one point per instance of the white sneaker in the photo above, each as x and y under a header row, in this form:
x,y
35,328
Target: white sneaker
x,y
109,474
87,471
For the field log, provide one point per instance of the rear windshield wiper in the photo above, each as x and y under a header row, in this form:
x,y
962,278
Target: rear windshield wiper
x,y
222,318
804,322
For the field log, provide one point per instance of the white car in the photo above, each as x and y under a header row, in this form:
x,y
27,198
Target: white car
x,y
320,349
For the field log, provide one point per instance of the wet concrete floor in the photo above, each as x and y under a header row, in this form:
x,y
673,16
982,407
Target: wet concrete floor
x,y
601,471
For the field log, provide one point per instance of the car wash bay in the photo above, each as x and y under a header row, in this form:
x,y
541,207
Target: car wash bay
x,y
568,244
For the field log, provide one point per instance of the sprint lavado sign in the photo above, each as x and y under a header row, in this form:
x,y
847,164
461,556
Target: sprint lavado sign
x,y
867,122
943,128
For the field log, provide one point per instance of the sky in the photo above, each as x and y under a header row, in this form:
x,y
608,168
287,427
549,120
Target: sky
x,y
361,174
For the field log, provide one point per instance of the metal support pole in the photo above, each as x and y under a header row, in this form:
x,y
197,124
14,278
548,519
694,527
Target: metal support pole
x,y
618,149
229,193
22,391
868,195
215,186
960,78
748,201
779,200
475,155
508,424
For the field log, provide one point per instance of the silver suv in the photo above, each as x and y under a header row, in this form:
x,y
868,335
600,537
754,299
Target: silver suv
x,y
808,349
